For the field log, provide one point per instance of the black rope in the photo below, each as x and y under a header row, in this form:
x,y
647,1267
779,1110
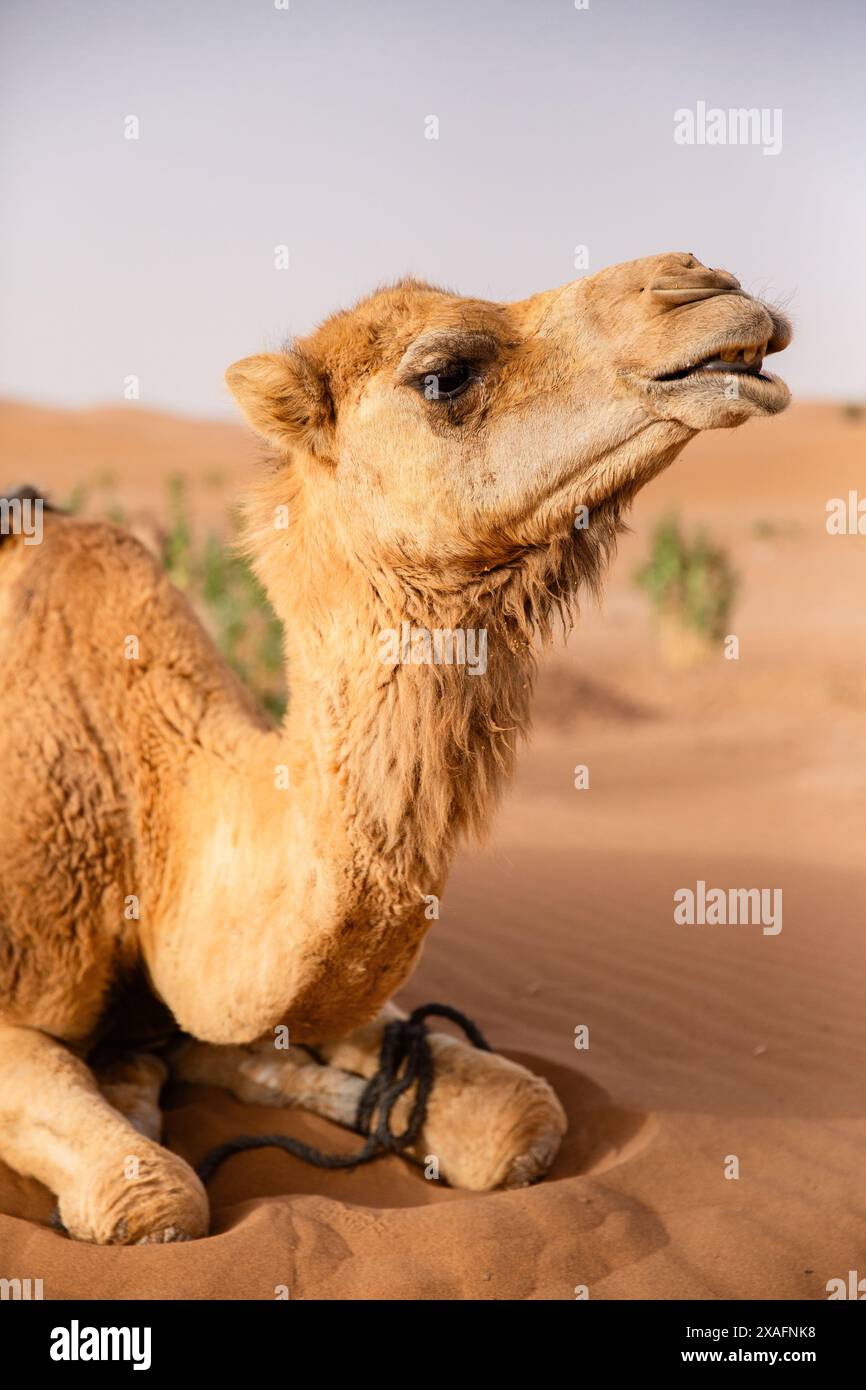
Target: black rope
x,y
405,1060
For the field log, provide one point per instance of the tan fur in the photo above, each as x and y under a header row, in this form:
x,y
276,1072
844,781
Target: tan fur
x,y
158,778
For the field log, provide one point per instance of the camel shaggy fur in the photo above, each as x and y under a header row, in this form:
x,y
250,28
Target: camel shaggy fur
x,y
178,876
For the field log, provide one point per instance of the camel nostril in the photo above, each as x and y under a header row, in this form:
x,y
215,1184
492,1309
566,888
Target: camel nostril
x,y
691,285
674,295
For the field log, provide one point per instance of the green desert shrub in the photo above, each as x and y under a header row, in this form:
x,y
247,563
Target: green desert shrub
x,y
689,581
219,582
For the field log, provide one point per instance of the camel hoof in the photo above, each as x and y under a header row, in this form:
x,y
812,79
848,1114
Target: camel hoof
x,y
491,1122
146,1197
531,1165
535,1139
172,1235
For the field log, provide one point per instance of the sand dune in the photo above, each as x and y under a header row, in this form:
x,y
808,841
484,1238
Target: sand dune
x,y
706,1042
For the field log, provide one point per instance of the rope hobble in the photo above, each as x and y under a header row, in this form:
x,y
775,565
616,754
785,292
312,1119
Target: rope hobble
x,y
405,1060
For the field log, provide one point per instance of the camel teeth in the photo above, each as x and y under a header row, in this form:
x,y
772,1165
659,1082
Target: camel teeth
x,y
729,354
749,355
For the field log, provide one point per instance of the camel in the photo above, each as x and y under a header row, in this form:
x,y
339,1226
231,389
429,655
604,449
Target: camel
x,y
180,880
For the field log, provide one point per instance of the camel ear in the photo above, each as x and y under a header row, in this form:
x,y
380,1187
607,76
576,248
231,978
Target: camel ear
x,y
285,398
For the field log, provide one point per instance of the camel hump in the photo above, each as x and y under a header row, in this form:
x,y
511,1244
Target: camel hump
x,y
17,507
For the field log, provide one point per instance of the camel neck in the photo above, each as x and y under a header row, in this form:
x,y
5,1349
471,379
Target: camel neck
x,y
411,724
409,689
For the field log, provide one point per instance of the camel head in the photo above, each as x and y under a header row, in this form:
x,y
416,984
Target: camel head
x,y
437,434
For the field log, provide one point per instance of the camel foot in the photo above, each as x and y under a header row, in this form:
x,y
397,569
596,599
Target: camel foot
x,y
490,1122
144,1195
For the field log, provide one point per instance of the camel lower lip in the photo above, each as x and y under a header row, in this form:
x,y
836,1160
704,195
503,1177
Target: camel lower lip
x,y
762,392
712,378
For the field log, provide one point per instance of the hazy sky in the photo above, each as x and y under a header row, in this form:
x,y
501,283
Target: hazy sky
x,y
261,127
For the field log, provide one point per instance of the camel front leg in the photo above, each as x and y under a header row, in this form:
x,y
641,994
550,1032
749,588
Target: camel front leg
x,y
490,1123
114,1186
262,1074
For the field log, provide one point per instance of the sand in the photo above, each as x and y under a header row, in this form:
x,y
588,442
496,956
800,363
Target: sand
x,y
707,1043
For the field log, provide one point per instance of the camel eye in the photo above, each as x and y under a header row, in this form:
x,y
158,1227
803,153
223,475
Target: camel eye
x,y
447,383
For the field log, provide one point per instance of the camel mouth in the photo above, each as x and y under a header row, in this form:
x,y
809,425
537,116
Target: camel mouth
x,y
729,372
738,360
